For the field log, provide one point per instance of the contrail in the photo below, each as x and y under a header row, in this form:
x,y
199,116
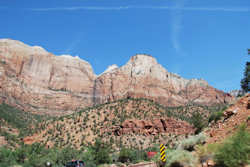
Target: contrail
x,y
177,17
118,8
74,43
80,8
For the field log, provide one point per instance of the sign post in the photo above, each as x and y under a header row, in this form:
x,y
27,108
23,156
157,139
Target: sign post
x,y
163,154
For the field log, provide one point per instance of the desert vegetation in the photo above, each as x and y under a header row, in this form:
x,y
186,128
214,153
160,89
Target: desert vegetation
x,y
86,135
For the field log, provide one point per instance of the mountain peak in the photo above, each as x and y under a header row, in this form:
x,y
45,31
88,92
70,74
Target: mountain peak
x,y
142,59
21,47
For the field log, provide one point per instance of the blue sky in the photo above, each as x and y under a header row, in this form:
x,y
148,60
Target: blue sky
x,y
194,38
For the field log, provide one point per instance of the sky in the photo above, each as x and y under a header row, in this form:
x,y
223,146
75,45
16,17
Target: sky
x,y
193,38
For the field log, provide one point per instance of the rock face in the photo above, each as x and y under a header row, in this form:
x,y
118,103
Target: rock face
x,y
36,80
143,77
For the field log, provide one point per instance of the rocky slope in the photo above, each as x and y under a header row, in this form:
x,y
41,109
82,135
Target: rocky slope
x,y
35,80
130,122
234,116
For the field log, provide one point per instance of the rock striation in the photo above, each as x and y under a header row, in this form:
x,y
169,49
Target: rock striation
x,y
35,80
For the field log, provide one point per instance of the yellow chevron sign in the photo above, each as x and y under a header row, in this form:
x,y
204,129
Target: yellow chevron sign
x,y
162,152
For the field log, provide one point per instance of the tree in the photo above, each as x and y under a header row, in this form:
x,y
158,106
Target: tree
x,y
245,82
101,152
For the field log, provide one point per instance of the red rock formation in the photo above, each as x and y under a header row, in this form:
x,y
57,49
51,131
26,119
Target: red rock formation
x,y
36,80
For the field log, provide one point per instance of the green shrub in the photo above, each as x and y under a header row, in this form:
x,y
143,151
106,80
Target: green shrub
x,y
125,155
3,62
139,155
236,150
215,116
198,122
206,151
248,118
7,157
189,143
181,158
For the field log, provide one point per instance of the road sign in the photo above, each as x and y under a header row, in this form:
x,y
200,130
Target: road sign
x,y
162,152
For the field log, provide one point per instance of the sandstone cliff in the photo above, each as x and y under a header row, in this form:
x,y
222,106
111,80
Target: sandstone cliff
x,y
35,80
143,77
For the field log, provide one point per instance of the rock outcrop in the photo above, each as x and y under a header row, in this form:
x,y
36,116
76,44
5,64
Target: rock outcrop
x,y
35,80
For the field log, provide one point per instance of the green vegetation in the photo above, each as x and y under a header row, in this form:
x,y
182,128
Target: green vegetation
x,y
125,155
20,120
235,151
100,152
198,122
61,89
36,155
205,152
248,118
181,158
189,143
215,116
66,139
245,82
3,62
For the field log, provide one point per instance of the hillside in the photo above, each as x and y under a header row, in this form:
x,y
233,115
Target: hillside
x,y
234,116
139,123
16,124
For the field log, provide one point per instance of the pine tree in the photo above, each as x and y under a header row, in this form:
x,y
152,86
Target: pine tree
x,y
245,82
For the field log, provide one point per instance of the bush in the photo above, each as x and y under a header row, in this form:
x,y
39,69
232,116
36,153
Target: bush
x,y
189,143
206,152
139,155
236,150
7,157
125,155
198,122
215,116
181,158
248,118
